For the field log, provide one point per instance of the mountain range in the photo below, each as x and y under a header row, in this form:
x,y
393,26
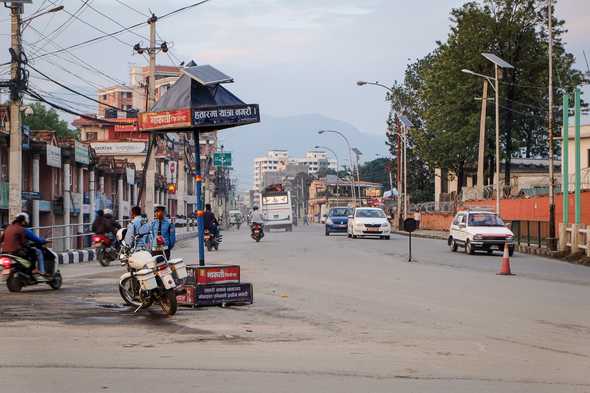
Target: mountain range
x,y
297,134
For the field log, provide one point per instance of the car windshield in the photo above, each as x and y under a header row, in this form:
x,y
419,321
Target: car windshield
x,y
370,213
485,220
340,212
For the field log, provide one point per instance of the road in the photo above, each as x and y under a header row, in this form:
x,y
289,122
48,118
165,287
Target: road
x,y
331,314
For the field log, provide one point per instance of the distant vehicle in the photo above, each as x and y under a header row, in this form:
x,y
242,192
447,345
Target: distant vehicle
x,y
257,232
368,221
337,220
276,208
235,218
479,230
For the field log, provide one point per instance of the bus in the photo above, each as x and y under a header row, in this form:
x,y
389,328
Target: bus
x,y
276,209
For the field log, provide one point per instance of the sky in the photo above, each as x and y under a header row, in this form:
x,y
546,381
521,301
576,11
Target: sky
x,y
290,56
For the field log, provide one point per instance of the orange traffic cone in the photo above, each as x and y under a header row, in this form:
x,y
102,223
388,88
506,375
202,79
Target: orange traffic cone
x,y
505,267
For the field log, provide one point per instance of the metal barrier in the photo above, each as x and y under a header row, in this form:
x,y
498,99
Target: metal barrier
x,y
531,233
78,236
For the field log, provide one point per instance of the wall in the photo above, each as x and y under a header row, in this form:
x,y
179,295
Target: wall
x,y
436,221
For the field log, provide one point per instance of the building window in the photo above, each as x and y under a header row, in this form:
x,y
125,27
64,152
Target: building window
x,y
91,136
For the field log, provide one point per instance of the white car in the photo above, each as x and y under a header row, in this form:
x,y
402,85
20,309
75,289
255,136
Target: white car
x,y
479,230
368,221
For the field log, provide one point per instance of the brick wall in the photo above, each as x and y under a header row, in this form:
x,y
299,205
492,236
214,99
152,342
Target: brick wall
x,y
436,221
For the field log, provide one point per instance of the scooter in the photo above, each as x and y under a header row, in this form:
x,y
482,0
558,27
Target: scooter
x,y
257,232
211,242
106,251
18,273
150,279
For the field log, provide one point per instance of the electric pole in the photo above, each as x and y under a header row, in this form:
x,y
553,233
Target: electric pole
x,y
482,140
16,145
552,242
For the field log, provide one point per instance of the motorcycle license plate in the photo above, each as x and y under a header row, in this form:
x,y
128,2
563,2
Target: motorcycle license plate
x,y
168,281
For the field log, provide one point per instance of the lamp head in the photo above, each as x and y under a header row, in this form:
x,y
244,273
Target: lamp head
x,y
361,83
321,131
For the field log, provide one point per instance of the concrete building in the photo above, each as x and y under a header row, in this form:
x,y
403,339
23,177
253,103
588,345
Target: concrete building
x,y
276,163
119,96
584,156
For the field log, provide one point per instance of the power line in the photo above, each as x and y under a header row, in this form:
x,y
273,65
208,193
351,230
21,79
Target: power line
x,y
132,9
116,22
76,92
67,22
183,9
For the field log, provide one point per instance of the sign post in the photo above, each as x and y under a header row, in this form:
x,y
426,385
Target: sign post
x,y
410,226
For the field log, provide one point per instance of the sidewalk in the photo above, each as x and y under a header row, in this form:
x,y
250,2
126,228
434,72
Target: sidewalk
x,y
425,233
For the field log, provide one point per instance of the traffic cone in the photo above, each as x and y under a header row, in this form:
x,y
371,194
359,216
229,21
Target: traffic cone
x,y
505,267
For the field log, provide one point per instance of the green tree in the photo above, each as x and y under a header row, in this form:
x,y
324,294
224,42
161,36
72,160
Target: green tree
x,y
440,100
43,119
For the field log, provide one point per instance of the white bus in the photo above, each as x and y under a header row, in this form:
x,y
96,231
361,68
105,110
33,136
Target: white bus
x,y
276,210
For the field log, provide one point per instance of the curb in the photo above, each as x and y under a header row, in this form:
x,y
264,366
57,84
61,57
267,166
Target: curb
x,y
424,236
89,254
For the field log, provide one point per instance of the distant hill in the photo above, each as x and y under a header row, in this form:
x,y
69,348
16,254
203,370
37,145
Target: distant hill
x,y
297,134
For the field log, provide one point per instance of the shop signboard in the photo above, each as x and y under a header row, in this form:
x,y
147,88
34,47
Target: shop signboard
x,y
53,156
126,125
81,155
165,120
119,148
218,294
222,116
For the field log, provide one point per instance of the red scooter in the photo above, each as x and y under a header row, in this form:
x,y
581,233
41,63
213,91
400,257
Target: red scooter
x,y
106,252
257,232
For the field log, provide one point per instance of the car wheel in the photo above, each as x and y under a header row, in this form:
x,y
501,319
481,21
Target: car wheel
x,y
453,245
469,248
386,237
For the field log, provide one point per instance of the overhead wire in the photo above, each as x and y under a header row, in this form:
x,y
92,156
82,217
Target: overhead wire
x,y
132,8
58,30
116,22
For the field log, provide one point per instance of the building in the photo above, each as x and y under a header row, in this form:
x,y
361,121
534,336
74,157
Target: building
x,y
584,156
276,163
166,76
119,96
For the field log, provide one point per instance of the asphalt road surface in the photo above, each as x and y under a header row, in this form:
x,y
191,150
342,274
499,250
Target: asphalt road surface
x,y
331,314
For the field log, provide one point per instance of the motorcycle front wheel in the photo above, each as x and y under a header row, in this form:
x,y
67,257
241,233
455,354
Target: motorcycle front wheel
x,y
14,283
56,281
129,291
168,303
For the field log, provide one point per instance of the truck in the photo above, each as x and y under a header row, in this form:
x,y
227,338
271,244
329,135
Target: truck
x,y
276,208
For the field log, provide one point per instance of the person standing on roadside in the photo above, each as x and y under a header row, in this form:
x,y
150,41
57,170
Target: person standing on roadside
x,y
162,233
137,226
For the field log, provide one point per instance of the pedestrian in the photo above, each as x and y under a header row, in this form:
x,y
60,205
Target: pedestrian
x,y
417,217
137,226
162,233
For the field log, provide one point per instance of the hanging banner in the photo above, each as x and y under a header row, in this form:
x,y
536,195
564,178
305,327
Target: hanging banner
x,y
130,174
164,120
224,116
53,154
119,148
81,153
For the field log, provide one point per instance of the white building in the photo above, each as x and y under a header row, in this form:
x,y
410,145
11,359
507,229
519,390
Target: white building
x,y
276,161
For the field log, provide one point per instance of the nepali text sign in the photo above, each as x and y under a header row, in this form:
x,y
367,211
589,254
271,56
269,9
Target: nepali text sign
x,y
119,148
53,156
223,116
127,125
180,118
81,153
222,159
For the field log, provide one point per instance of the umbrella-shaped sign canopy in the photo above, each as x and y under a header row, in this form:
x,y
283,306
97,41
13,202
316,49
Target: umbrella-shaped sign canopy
x,y
198,101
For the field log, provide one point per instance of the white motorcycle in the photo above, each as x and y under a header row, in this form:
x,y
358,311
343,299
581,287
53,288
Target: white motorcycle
x,y
150,279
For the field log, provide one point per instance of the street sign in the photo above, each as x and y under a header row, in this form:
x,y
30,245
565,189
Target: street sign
x,y
410,225
222,159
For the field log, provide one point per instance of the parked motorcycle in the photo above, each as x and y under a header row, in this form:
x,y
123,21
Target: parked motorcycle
x,y
211,241
106,250
257,232
18,272
151,279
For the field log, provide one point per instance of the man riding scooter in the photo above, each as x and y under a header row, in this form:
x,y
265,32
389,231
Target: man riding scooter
x,y
257,222
15,239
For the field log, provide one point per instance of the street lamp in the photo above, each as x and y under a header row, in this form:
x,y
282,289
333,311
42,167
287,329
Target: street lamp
x,y
349,156
498,64
337,166
28,20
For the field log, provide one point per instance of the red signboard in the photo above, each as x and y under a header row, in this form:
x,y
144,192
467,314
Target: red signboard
x,y
127,125
213,274
165,120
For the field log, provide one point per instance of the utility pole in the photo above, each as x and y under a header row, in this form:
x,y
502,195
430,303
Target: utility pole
x,y
552,242
399,172
498,158
16,144
150,167
482,140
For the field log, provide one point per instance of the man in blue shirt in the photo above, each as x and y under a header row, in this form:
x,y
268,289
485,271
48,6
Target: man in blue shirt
x,y
137,225
162,233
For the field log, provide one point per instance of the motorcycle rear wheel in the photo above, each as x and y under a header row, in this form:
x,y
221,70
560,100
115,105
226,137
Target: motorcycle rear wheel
x,y
168,303
102,258
14,283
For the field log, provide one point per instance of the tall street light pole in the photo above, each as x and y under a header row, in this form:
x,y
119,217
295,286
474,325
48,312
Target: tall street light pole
x,y
498,65
349,157
552,242
337,166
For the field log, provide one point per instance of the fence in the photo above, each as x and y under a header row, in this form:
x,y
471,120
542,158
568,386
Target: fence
x,y
78,236
531,233
574,237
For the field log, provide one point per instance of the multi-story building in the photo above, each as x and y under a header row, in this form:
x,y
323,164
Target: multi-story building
x,y
119,96
166,76
276,163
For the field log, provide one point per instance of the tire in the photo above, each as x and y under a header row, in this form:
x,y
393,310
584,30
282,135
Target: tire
x,y
453,245
388,237
327,232
125,293
290,228
168,303
489,251
56,281
14,283
216,246
209,247
101,257
510,251
349,235
468,248
257,239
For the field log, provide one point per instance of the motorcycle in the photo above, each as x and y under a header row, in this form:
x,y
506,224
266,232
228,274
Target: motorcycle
x,y
211,241
151,279
257,232
106,251
18,272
